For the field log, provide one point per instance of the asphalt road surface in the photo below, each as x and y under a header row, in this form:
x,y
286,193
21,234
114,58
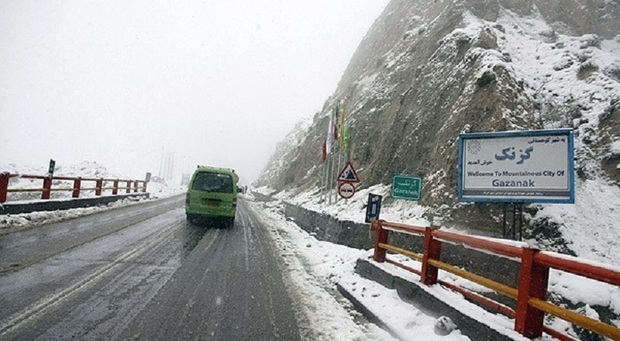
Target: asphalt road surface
x,y
143,273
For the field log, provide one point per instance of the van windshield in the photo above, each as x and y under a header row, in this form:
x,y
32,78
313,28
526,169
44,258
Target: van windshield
x,y
213,182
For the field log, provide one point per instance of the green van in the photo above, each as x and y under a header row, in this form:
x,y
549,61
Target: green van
x,y
212,194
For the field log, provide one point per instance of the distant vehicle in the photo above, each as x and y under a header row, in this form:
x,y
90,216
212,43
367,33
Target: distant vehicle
x,y
212,194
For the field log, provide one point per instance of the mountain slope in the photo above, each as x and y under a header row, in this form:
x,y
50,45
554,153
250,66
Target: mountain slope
x,y
429,70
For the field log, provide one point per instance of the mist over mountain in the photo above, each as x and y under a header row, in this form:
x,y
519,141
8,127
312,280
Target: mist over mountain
x,y
429,70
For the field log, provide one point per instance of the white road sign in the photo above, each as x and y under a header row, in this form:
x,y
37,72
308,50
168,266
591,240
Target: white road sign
x,y
346,190
523,166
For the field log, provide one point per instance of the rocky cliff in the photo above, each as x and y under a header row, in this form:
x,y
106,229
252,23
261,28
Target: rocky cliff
x,y
428,70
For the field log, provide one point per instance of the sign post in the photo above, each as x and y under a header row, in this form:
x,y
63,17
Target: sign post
x,y
47,182
373,208
407,187
51,168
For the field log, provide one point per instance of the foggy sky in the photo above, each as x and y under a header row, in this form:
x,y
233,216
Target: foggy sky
x,y
215,82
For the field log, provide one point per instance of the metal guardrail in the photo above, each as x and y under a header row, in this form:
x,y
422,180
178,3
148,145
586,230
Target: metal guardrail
x,y
100,184
530,295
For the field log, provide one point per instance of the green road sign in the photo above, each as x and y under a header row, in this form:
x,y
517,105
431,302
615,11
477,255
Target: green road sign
x,y
407,187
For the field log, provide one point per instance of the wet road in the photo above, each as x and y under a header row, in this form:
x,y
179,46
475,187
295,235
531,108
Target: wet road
x,y
143,273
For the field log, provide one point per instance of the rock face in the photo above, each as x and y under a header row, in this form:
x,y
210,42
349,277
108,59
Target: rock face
x,y
429,70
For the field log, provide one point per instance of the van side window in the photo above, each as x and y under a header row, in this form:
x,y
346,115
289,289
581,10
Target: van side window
x,y
213,182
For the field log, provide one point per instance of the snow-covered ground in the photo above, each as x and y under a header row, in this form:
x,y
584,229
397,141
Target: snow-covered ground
x,y
574,80
315,267
85,169
324,263
589,226
562,73
11,222
329,264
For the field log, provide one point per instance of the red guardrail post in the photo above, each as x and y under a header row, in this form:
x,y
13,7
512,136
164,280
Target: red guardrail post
x,y
99,186
144,187
115,189
47,187
432,250
533,281
128,190
4,186
77,184
381,236
135,186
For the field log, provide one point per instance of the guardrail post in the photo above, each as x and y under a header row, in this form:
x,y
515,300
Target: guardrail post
x,y
144,187
47,187
381,236
432,250
77,184
533,281
99,186
128,189
4,186
135,186
115,189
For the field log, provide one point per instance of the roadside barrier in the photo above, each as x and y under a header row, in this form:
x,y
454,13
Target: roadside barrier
x,y
100,184
530,296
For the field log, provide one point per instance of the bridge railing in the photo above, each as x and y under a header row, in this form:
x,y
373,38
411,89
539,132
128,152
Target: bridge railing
x,y
76,185
530,296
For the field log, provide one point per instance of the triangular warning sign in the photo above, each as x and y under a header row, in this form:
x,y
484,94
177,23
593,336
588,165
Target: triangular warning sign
x,y
348,174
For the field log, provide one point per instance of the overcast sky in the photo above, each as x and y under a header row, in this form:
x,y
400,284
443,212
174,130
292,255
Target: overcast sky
x,y
215,82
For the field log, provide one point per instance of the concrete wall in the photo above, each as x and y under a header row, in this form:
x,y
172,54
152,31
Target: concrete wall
x,y
53,205
329,229
356,235
420,298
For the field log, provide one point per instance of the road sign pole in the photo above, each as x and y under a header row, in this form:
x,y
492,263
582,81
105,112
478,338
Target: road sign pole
x,y
322,179
328,183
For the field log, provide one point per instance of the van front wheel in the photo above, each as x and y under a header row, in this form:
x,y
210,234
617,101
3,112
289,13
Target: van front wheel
x,y
231,222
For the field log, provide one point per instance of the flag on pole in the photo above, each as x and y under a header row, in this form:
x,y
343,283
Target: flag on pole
x,y
345,133
341,123
346,141
343,112
329,140
336,117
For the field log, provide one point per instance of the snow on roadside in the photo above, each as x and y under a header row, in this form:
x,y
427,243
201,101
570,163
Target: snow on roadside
x,y
591,225
595,204
315,267
16,222
325,316
86,169
574,80
354,209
